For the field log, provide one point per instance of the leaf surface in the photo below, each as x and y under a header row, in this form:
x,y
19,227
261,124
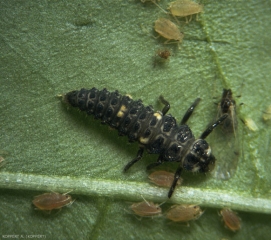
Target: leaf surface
x,y
52,47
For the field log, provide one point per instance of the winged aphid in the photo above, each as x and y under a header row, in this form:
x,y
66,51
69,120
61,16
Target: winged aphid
x,y
226,138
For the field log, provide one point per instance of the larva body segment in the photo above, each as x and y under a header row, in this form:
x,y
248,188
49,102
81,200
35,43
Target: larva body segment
x,y
157,132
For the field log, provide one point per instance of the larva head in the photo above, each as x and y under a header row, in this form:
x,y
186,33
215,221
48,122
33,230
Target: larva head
x,y
199,158
69,98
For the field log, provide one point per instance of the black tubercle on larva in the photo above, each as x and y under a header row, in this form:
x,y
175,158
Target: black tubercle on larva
x,y
156,132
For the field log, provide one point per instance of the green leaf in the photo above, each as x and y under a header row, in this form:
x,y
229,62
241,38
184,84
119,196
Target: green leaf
x,y
52,47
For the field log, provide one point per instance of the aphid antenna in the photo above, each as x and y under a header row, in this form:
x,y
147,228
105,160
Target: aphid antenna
x,y
149,202
145,200
154,2
67,192
213,126
163,10
70,203
203,211
162,203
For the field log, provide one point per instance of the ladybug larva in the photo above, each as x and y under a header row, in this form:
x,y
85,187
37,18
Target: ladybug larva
x,y
157,132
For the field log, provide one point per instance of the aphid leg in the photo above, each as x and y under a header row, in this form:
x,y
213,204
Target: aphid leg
x,y
176,20
138,157
166,103
176,178
213,126
155,164
156,37
189,111
190,19
167,42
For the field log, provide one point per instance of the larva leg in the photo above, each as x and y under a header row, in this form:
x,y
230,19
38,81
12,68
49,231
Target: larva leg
x,y
213,126
166,103
138,157
189,111
174,183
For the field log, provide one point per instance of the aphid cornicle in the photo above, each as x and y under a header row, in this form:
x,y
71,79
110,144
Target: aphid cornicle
x,y
226,138
156,132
